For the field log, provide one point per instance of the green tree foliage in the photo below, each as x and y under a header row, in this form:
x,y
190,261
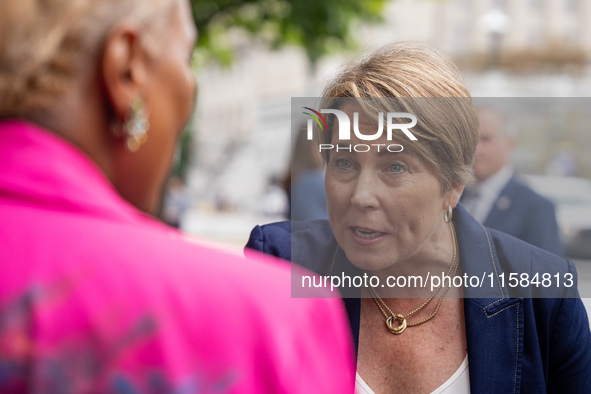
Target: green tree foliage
x,y
319,26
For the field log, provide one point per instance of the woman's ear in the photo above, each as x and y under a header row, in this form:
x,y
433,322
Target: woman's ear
x,y
452,196
124,64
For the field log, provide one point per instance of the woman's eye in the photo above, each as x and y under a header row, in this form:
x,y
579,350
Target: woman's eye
x,y
395,168
344,164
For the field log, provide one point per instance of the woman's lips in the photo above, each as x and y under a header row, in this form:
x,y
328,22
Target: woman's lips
x,y
366,236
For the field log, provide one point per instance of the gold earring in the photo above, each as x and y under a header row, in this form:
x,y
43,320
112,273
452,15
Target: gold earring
x,y
136,125
448,214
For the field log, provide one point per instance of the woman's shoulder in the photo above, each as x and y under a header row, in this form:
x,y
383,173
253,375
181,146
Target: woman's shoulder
x,y
307,243
297,226
518,252
534,265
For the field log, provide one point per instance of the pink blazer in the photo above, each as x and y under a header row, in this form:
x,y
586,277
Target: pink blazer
x,y
96,296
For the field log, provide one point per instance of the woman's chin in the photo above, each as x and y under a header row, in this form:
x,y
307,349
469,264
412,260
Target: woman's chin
x,y
369,262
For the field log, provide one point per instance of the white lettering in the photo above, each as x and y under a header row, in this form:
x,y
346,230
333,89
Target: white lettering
x,y
395,145
369,137
401,126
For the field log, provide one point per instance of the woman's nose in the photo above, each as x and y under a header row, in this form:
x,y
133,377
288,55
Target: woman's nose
x,y
365,191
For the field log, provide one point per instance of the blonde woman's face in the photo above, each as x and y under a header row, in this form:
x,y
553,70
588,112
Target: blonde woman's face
x,y
384,208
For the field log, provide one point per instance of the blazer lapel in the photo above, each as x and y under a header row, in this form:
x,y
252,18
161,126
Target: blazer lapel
x,y
494,322
494,335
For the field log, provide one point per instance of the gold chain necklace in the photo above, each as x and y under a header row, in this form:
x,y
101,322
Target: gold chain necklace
x,y
401,319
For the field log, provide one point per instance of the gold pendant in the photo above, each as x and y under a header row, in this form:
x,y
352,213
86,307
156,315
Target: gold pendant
x,y
399,329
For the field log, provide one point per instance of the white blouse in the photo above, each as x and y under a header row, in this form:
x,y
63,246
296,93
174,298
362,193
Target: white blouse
x,y
458,383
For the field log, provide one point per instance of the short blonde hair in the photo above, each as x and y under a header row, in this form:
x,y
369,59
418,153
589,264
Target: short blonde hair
x,y
423,81
45,43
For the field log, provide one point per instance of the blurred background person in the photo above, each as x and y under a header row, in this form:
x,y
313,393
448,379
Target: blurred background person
x,y
498,199
308,198
96,295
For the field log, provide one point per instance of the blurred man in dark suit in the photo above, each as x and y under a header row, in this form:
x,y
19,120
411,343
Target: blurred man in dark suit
x,y
498,200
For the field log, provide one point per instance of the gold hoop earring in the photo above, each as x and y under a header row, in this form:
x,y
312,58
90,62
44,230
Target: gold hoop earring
x,y
448,214
136,125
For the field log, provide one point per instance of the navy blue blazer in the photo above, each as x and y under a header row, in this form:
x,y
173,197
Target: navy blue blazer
x,y
521,212
516,344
